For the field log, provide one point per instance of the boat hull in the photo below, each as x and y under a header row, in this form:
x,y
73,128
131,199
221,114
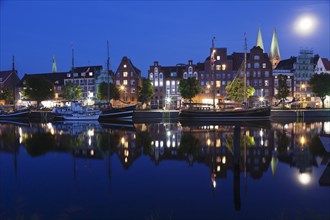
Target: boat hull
x,y
118,113
21,114
76,117
246,114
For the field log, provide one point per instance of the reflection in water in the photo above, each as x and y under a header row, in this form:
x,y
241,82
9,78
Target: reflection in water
x,y
243,149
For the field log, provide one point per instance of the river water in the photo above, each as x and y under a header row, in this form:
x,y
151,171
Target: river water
x,y
166,170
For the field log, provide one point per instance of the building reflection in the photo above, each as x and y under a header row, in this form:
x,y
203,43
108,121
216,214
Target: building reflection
x,y
245,149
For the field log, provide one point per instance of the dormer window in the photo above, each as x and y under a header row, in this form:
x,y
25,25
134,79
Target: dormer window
x,y
125,65
90,73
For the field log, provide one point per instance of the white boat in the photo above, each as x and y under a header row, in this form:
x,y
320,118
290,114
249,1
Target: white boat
x,y
75,112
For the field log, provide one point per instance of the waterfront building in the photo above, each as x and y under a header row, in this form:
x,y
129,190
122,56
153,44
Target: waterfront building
x,y
285,68
8,81
127,78
322,66
304,69
83,76
166,80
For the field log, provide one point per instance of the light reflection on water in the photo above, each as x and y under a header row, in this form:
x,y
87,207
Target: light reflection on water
x,y
163,170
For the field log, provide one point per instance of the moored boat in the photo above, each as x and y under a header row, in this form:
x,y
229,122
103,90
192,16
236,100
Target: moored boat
x,y
16,114
125,113
230,114
75,112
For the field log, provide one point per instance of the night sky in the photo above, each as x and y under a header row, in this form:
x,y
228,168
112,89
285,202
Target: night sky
x,y
171,32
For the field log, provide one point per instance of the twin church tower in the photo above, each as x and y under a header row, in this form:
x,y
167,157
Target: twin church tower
x,y
274,55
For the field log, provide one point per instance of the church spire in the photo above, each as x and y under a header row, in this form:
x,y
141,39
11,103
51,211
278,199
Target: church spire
x,y
274,55
54,67
259,40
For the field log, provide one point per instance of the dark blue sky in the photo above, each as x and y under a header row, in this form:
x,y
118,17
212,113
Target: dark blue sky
x,y
168,31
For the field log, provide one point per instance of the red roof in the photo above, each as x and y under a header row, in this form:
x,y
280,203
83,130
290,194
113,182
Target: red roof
x,y
326,63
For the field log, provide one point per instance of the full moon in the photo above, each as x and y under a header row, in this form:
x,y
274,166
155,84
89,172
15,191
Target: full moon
x,y
305,24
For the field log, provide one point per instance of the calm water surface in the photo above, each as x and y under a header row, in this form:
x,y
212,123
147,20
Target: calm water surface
x,y
266,170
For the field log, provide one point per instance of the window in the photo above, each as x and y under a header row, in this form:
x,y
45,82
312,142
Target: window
x,y
125,82
256,57
125,65
68,75
161,83
151,76
83,74
75,74
259,74
156,76
254,74
190,70
256,65
173,74
249,65
132,82
90,73
218,57
156,70
160,75
223,66
185,75
266,73
196,75
248,74
202,83
248,82
264,65
223,83
266,82
125,74
218,67
218,83
132,90
202,76
260,82
132,74
167,82
156,83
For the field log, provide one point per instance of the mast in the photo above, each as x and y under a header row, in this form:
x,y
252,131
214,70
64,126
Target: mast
x,y
72,68
212,60
108,73
244,70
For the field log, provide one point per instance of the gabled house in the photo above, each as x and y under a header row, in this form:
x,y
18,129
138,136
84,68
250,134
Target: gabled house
x,y
8,81
127,78
322,66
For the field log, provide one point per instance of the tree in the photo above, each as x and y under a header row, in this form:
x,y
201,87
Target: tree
x,y
38,88
283,89
71,92
146,91
6,94
320,84
189,88
235,90
102,91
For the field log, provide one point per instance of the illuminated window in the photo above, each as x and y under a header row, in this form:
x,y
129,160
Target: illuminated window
x,y
125,74
266,83
224,67
151,76
264,65
161,83
90,73
218,57
125,65
125,82
218,83
218,67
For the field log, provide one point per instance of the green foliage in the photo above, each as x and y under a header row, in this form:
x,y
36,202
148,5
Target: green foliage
x,y
320,84
146,91
71,92
189,88
102,91
6,94
283,89
235,90
38,88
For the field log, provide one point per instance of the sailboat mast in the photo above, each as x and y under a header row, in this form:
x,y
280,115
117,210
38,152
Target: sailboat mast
x,y
108,73
212,60
244,70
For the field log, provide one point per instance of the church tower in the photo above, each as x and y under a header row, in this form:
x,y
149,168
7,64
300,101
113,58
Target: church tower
x,y
259,42
54,67
274,55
